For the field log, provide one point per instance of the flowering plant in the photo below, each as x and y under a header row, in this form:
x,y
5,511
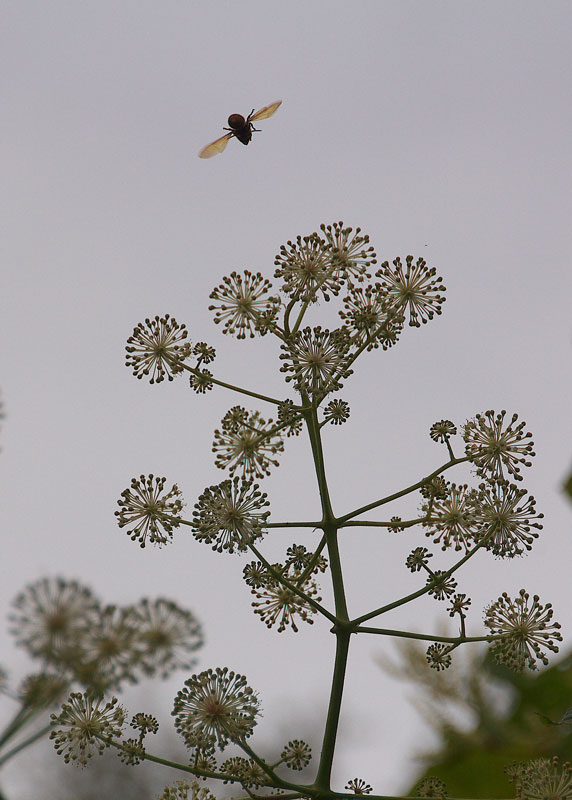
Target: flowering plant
x,y
217,707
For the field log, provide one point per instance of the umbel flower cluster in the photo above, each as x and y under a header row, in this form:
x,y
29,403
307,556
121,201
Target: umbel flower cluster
x,y
81,643
493,517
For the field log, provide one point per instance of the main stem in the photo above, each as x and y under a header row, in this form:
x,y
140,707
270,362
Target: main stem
x,y
341,628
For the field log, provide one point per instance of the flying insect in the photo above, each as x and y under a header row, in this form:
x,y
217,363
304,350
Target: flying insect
x,y
239,128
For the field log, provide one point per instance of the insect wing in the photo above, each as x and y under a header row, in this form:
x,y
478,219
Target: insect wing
x,y
215,147
267,111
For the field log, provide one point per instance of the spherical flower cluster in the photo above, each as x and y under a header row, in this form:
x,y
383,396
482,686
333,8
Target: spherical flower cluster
x,y
358,786
182,790
167,637
442,431
298,557
108,649
452,520
459,605
370,319
201,381
131,752
525,628
255,574
435,488
62,623
84,725
289,418
316,360
492,447
52,615
157,348
442,585
350,254
542,779
277,603
416,290
42,690
297,754
337,412
506,516
306,269
431,787
245,770
438,656
217,703
242,301
204,353
150,512
418,559
246,444
230,516
144,723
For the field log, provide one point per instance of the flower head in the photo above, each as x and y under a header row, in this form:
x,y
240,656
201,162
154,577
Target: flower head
x,y
350,254
201,381
297,754
150,510
255,574
316,360
442,585
204,353
442,431
230,516
51,617
246,443
506,515
525,629
306,269
289,418
431,787
167,637
144,723
542,779
278,603
370,319
182,790
84,724
242,301
42,690
438,656
416,290
157,348
218,703
108,653
459,605
492,447
358,786
337,412
452,520
418,559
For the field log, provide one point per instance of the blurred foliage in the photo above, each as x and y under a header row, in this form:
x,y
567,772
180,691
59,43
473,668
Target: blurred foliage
x,y
487,717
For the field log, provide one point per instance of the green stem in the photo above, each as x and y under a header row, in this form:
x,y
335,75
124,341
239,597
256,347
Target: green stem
x,y
292,586
366,523
420,592
26,743
395,495
323,776
424,637
233,388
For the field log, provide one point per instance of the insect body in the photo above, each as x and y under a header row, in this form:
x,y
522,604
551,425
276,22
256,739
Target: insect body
x,y
240,128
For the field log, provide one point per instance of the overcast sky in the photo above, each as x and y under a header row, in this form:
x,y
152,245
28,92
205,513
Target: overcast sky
x,y
443,130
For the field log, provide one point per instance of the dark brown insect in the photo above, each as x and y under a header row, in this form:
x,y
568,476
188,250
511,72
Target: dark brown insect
x,y
240,128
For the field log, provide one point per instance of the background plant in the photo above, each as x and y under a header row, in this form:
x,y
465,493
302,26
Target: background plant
x,y
217,706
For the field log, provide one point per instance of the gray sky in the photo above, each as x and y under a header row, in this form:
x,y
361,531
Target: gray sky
x,y
442,129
